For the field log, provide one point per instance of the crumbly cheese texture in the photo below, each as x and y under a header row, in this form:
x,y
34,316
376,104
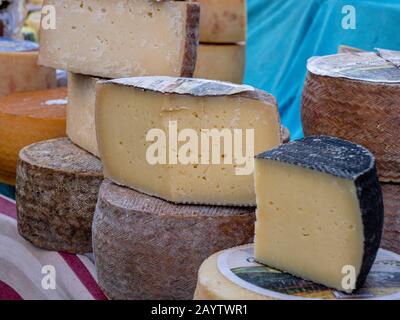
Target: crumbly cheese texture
x,y
225,62
81,111
25,118
125,114
223,21
111,38
19,72
312,222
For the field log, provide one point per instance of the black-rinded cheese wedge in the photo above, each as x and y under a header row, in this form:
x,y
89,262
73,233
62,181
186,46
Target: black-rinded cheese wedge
x,y
319,211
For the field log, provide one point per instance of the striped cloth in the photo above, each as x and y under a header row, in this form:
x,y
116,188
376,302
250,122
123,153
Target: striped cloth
x,y
24,269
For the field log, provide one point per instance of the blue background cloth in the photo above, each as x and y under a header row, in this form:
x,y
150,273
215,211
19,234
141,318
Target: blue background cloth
x,y
283,34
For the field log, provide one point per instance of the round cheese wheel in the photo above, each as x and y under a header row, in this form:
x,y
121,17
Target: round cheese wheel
x,y
56,193
356,96
234,274
148,248
391,227
26,118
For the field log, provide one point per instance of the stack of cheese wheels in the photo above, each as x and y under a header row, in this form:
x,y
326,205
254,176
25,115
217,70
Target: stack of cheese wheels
x,y
25,118
155,222
355,96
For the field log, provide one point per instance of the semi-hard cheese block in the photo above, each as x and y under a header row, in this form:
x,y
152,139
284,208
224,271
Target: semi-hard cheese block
x,y
319,211
221,62
147,248
391,227
56,193
219,125
81,111
233,274
25,118
19,70
112,38
356,96
222,21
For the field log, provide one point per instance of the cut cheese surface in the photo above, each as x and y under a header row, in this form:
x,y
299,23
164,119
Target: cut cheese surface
x,y
81,111
56,192
147,248
128,109
19,70
319,210
111,38
222,21
221,62
25,118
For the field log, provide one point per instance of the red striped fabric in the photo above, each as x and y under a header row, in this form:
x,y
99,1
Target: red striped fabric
x,y
8,293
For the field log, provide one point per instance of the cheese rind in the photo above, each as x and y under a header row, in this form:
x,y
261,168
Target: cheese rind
x,y
19,70
140,38
81,111
127,109
26,118
221,62
319,209
222,21
354,96
56,193
147,248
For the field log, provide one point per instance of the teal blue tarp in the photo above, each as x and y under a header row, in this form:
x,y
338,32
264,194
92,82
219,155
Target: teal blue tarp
x,y
283,34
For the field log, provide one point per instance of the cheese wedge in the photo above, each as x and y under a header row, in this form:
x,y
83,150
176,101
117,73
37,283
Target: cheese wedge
x,y
223,21
112,38
221,62
19,70
215,121
319,211
25,118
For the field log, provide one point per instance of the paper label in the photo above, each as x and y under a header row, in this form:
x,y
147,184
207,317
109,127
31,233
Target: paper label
x,y
191,86
239,266
364,66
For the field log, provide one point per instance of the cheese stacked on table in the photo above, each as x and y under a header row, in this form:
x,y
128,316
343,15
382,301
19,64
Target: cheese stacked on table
x,y
157,44
355,96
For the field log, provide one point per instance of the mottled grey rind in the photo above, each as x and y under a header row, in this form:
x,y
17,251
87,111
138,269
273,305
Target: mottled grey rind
x,y
346,160
148,248
56,193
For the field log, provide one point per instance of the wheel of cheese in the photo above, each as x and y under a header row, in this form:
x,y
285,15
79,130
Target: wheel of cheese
x,y
356,96
147,248
56,193
233,274
26,118
391,228
19,70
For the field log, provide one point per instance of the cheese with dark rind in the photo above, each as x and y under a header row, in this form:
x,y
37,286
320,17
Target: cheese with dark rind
x,y
56,193
26,118
197,104
224,62
391,227
222,21
355,96
141,38
19,70
318,196
147,248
